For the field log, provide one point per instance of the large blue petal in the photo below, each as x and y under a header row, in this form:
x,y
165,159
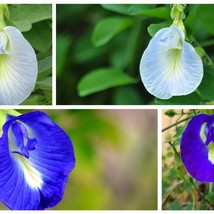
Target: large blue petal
x,y
36,182
194,151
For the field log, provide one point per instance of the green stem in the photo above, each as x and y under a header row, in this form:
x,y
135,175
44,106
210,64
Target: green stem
x,y
207,43
208,59
194,112
210,187
175,124
4,12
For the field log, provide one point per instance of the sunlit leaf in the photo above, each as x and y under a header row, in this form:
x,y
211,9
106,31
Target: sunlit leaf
x,y
44,67
40,36
23,16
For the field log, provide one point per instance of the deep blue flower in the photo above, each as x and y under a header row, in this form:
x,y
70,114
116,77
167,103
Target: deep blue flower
x,y
36,157
197,148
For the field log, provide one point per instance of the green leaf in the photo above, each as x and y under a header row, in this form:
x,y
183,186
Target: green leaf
x,y
101,79
40,36
127,95
85,51
206,88
170,113
118,8
107,28
191,99
23,16
32,100
146,10
45,84
205,14
44,68
154,28
63,44
192,18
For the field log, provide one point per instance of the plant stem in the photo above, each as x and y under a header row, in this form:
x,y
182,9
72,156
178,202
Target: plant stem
x,y
210,187
194,112
175,124
207,43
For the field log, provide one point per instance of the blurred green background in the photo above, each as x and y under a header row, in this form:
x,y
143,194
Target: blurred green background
x,y
99,48
116,159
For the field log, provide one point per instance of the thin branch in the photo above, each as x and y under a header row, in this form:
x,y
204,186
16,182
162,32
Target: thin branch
x,y
175,124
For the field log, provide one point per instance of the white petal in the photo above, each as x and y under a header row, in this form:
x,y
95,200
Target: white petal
x,y
170,66
18,67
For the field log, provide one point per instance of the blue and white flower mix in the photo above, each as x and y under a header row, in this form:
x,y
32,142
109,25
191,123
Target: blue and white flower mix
x,y
36,158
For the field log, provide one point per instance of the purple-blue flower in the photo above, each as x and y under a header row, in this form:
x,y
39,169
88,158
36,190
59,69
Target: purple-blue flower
x,y
197,148
36,158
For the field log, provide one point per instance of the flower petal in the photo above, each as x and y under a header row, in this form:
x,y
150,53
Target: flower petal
x,y
170,66
194,151
18,66
36,182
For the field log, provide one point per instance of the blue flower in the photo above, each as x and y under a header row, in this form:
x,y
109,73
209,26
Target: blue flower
x,y
36,158
170,66
197,148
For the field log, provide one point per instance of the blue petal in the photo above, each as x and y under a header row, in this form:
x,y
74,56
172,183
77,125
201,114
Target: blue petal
x,y
194,150
37,182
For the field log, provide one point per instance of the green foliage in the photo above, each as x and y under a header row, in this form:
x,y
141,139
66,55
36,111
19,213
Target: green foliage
x,y
101,79
180,191
23,16
191,99
206,17
35,21
114,36
107,28
154,28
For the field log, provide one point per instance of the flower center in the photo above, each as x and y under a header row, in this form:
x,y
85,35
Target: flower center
x,y
207,135
211,152
171,40
20,142
3,43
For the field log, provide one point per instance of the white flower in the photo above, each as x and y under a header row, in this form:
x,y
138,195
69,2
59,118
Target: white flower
x,y
169,65
18,67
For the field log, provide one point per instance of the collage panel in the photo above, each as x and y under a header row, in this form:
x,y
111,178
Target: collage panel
x,y
135,54
78,159
187,159
26,54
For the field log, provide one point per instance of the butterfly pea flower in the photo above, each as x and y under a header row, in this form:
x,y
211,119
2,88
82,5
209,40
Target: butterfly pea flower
x,y
197,148
36,158
18,64
170,66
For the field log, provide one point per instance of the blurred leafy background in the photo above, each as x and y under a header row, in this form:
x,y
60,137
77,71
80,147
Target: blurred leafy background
x,y
179,190
35,23
99,48
116,159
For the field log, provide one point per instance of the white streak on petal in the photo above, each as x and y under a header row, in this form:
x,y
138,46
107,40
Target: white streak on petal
x,y
18,67
32,176
170,66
